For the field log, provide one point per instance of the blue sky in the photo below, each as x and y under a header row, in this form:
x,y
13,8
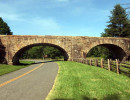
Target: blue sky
x,y
57,17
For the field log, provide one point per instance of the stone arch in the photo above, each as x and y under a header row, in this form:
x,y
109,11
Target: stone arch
x,y
117,50
17,55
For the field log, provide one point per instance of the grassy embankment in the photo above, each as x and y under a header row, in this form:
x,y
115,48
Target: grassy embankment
x,y
4,69
76,81
124,66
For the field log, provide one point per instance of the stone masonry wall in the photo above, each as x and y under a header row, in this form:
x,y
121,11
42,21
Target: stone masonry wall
x,y
75,46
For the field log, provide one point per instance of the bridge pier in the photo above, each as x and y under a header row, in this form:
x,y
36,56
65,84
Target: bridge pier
x,y
8,61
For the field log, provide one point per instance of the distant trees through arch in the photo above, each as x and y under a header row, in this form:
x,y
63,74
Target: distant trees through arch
x,y
40,51
107,51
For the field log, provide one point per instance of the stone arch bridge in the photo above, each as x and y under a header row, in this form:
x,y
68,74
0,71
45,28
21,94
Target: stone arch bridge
x,y
12,46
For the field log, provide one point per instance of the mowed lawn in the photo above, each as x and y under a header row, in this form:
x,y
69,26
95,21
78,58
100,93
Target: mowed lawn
x,y
76,81
4,69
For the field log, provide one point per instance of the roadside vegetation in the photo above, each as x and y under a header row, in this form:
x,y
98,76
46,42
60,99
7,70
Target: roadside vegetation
x,y
76,81
4,69
42,52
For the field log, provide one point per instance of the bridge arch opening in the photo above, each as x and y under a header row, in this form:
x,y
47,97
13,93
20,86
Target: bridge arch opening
x,y
19,53
114,51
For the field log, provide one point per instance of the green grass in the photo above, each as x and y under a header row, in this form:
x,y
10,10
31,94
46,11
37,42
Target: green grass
x,y
78,81
4,69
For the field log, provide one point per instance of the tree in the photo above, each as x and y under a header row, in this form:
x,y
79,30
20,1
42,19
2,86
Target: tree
x,y
119,26
4,28
100,51
39,51
52,52
34,53
119,23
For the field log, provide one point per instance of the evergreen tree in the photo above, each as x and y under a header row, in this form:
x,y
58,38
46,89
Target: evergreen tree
x,y
4,28
119,26
119,23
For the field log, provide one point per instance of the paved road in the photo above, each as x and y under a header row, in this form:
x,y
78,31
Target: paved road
x,y
33,86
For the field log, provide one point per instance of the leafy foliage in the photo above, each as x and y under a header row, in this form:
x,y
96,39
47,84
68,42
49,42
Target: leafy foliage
x,y
52,52
4,28
100,51
39,51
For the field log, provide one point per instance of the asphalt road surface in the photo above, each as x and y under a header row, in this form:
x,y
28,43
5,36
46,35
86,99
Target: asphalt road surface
x,y
30,83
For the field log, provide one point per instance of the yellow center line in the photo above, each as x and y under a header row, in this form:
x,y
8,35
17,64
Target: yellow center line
x,y
9,81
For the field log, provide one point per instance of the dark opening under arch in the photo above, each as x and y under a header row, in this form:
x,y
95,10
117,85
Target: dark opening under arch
x,y
2,53
18,53
117,52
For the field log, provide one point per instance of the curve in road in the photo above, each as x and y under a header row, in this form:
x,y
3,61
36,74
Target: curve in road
x,y
33,86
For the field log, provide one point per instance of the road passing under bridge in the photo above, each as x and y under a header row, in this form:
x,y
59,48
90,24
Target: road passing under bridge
x,y
30,83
